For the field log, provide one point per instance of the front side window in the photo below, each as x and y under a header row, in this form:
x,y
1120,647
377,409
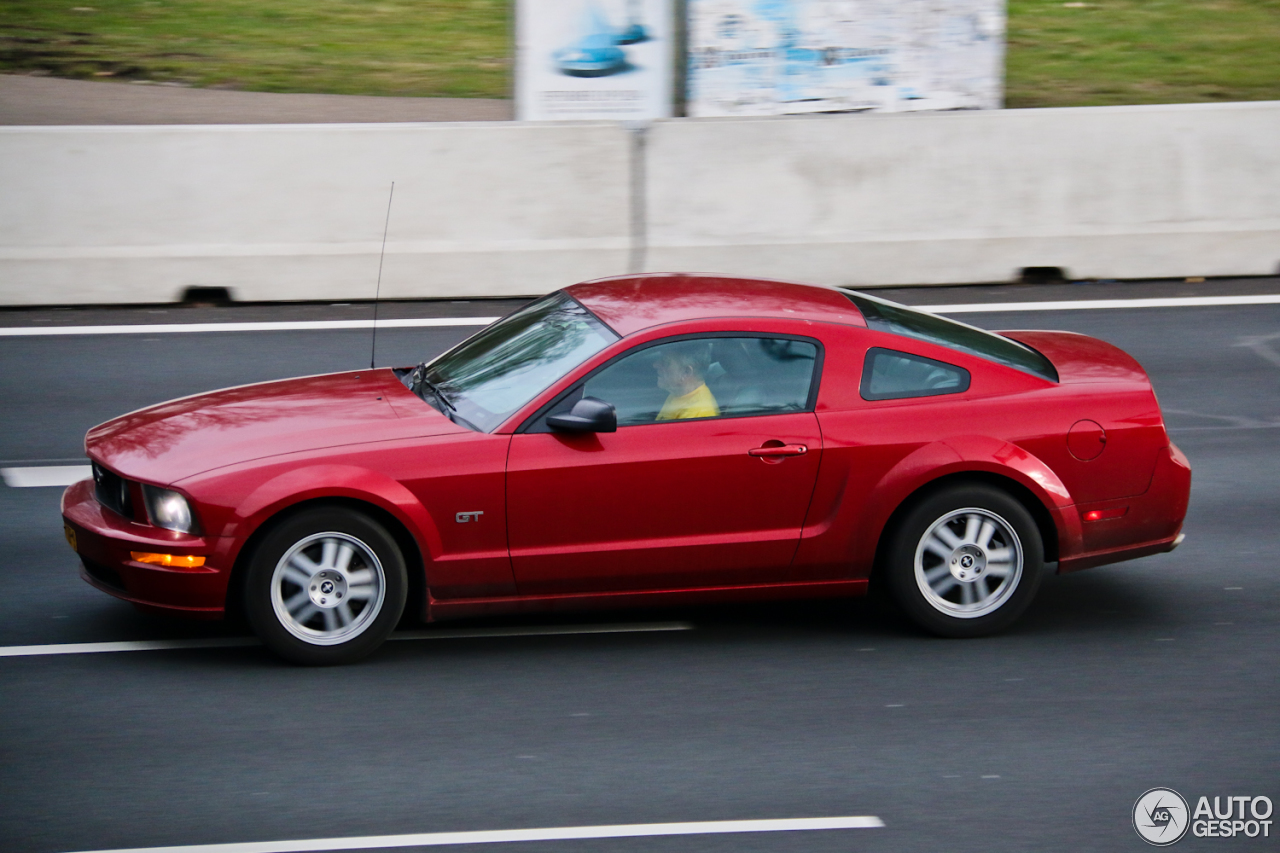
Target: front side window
x,y
485,379
891,375
715,377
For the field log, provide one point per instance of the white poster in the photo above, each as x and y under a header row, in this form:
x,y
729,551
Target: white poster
x,y
773,57
593,59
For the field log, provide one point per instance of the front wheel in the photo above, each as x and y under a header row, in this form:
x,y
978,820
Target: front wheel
x,y
326,586
966,561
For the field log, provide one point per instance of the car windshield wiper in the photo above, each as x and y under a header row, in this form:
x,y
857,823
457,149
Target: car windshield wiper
x,y
435,389
418,380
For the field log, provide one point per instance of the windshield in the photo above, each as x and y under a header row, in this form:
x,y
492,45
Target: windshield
x,y
487,377
885,316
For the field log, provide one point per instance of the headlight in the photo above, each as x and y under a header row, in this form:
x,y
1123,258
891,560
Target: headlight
x,y
169,510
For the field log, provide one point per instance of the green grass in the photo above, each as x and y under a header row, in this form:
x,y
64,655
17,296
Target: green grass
x,y
1141,52
451,48
1060,54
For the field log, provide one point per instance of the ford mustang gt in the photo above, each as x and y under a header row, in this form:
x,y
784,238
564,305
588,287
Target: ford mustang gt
x,y
640,440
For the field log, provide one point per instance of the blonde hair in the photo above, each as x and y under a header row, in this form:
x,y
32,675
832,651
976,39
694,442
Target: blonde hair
x,y
694,355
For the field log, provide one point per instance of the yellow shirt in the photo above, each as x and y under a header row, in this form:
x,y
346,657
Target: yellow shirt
x,y
698,403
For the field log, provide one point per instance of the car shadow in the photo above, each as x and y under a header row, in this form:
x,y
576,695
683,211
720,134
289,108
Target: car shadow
x,y
1080,605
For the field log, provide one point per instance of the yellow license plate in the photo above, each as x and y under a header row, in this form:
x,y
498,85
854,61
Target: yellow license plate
x,y
71,537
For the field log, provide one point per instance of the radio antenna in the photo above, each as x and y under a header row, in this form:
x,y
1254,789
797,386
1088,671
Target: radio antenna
x,y
378,291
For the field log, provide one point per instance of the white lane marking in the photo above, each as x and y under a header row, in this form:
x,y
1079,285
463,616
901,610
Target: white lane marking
x,y
541,630
1096,304
44,475
281,326
1231,421
125,646
499,836
1261,345
312,325
233,642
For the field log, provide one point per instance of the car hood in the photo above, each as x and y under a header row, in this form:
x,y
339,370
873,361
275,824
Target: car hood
x,y
1080,358
170,441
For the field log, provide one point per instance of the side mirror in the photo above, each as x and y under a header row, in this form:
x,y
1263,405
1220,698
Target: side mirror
x,y
587,415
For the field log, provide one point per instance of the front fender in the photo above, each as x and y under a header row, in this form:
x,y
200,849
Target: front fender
x,y
297,485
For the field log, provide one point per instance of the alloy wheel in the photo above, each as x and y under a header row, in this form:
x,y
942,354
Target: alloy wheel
x,y
328,588
968,563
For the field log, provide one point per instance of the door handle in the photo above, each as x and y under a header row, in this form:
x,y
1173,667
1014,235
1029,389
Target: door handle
x,y
777,450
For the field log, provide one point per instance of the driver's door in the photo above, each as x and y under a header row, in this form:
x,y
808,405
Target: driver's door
x,y
703,502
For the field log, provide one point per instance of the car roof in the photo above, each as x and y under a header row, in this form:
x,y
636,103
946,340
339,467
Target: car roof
x,y
631,303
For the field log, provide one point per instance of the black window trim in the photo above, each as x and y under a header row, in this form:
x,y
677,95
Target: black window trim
x,y
810,404
874,322
864,384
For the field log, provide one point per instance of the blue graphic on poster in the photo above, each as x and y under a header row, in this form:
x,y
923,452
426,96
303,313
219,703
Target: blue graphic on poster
x,y
595,51
772,57
585,59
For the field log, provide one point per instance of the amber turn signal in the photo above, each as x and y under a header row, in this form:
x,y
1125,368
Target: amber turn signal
x,y
1103,514
179,561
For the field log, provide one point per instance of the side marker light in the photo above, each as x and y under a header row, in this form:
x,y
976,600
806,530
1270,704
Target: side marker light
x,y
177,561
1104,514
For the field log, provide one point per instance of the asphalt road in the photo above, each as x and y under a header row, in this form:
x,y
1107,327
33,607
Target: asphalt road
x,y
1160,672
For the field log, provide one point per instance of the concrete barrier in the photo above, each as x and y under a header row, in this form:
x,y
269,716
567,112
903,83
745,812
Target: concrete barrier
x,y
295,212
1106,192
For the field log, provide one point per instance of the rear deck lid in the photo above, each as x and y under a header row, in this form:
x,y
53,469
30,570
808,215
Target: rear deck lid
x,y
1080,358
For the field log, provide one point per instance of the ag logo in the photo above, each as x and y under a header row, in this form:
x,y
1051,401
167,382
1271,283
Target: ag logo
x,y
1160,816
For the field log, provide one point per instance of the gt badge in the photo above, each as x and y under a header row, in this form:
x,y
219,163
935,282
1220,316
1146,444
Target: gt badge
x,y
464,517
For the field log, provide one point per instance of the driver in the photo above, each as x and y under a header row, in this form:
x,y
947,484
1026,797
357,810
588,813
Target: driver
x,y
682,369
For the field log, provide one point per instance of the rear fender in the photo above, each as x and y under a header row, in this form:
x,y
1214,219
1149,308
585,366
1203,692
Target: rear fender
x,y
969,454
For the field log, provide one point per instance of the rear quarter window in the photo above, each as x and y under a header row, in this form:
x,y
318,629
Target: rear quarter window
x,y
891,375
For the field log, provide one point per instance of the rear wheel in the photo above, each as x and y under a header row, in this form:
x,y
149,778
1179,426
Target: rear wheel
x,y
966,561
326,586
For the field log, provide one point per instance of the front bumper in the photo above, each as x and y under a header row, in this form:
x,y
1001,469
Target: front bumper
x,y
103,540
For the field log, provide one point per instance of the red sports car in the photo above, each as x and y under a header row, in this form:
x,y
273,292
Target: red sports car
x,y
640,440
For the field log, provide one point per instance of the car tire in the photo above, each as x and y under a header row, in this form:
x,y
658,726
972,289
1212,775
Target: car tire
x,y
325,586
965,561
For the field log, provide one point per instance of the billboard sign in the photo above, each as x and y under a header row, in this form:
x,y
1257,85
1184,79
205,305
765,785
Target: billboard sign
x,y
774,57
593,59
